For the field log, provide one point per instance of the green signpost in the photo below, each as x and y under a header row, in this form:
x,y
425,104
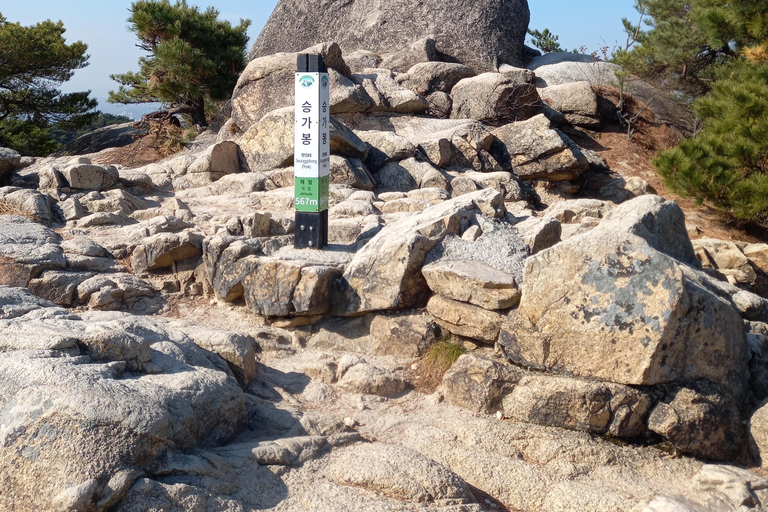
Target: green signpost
x,y
312,152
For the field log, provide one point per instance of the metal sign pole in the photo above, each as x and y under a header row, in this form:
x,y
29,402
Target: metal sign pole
x,y
312,152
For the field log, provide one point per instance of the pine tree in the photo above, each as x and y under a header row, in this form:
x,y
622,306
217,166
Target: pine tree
x,y
727,162
675,53
34,62
545,40
193,57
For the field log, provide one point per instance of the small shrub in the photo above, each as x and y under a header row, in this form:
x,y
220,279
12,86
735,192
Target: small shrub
x,y
437,361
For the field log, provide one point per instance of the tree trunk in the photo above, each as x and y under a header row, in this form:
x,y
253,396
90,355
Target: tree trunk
x,y
198,112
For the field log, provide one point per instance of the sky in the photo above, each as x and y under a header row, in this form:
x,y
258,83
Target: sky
x,y
101,24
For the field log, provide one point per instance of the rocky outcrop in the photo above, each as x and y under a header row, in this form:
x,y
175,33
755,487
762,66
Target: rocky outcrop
x,y
480,35
61,404
386,273
532,150
10,160
26,250
494,97
606,305
270,376
577,404
114,136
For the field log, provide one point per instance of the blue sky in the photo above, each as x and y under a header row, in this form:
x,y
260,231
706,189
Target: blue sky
x,y
101,24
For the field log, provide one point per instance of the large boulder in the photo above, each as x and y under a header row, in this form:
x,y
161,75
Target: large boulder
x,y
10,160
606,305
481,34
660,222
84,175
26,250
494,97
266,84
576,100
533,150
386,272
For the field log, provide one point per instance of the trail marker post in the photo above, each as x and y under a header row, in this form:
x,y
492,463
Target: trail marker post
x,y
311,153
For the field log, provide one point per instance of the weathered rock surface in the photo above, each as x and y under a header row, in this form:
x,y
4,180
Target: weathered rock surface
x,y
90,177
386,94
26,250
356,375
268,142
163,249
398,472
597,407
532,150
474,282
494,97
479,384
465,319
606,305
577,101
700,419
726,257
481,36
10,160
405,335
659,222
386,273
428,77
29,203
60,406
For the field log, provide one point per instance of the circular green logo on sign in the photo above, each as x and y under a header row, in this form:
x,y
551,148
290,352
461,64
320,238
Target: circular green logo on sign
x,y
324,81
306,81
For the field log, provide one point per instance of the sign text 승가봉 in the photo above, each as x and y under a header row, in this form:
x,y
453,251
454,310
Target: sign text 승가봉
x,y
312,152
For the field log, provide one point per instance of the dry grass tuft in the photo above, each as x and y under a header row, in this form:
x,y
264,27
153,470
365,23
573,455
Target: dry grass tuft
x,y
436,362
7,208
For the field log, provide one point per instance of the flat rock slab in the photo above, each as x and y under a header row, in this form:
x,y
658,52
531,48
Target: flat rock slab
x,y
398,472
472,281
465,319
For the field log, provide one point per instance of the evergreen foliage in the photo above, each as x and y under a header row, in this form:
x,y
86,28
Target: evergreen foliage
x,y
34,62
545,41
193,58
717,53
